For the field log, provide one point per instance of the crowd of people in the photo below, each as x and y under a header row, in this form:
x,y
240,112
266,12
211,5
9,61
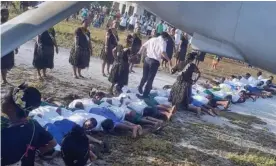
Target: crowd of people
x,y
35,127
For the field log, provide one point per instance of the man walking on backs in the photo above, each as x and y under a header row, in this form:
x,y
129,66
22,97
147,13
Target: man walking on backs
x,y
156,49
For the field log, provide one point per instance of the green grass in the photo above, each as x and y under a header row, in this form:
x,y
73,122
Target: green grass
x,y
252,160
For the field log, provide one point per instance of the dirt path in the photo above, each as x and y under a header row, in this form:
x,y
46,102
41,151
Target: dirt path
x,y
187,140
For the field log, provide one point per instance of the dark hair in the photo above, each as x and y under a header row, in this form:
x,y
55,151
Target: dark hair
x,y
271,77
148,111
107,125
91,120
79,105
268,82
247,75
191,56
109,31
32,97
232,76
183,38
259,73
75,147
239,77
165,35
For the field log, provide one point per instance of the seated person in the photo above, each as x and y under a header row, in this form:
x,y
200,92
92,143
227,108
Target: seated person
x,y
75,148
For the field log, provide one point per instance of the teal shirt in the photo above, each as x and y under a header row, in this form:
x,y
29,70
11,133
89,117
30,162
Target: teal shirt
x,y
160,28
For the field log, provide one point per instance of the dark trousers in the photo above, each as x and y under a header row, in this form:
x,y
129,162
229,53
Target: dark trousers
x,y
150,69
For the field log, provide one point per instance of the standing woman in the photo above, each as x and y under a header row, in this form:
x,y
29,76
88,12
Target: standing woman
x,y
182,50
120,68
135,47
82,49
44,51
107,55
7,61
181,92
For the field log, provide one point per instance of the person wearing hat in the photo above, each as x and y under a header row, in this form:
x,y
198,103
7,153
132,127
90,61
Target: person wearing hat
x,y
7,61
22,137
181,91
82,49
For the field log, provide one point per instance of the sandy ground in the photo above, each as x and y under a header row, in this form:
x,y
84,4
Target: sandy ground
x,y
187,140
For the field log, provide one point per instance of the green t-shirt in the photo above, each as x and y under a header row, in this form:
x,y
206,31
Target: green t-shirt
x,y
160,28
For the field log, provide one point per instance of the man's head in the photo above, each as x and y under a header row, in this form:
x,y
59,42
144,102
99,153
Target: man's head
x,y
247,75
79,105
4,15
259,73
85,23
107,125
271,78
90,124
75,147
165,36
191,56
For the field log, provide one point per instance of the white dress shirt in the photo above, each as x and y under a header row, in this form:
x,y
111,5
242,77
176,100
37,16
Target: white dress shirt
x,y
155,47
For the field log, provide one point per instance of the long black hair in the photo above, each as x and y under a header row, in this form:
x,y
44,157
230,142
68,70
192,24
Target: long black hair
x,y
75,147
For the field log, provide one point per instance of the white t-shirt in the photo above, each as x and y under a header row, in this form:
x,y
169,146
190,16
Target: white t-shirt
x,y
123,22
47,112
79,117
120,112
260,77
155,47
177,36
87,103
132,20
138,106
162,100
149,27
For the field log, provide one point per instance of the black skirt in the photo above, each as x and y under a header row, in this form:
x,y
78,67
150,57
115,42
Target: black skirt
x,y
180,94
43,56
119,73
107,56
80,57
7,62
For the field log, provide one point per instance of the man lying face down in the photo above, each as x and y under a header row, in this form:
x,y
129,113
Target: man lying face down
x,y
112,121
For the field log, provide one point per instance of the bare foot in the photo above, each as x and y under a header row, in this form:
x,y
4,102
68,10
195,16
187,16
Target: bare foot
x,y
104,75
76,77
173,110
134,131
140,130
198,112
132,71
81,76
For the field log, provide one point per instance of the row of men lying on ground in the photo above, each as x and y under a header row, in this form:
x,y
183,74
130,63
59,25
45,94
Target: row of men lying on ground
x,y
126,110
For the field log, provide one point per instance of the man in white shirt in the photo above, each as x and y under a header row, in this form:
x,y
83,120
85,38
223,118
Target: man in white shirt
x,y
132,21
259,75
177,37
156,49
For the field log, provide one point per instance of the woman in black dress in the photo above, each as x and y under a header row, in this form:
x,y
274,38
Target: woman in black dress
x,y
200,57
111,41
120,68
129,40
135,47
181,91
7,61
82,49
182,50
44,51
